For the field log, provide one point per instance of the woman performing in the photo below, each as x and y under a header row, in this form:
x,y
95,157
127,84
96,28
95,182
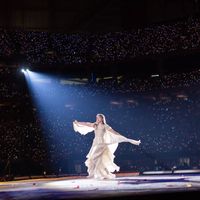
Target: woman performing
x,y
100,159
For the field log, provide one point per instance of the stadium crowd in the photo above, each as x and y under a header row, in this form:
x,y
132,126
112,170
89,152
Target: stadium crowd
x,y
37,47
162,111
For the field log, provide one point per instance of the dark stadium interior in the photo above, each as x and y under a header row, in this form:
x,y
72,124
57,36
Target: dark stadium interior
x,y
91,17
136,61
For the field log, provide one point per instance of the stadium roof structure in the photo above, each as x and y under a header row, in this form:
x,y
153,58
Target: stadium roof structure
x,y
92,15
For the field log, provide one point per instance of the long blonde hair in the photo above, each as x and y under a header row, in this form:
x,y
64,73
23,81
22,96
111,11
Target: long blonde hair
x,y
103,117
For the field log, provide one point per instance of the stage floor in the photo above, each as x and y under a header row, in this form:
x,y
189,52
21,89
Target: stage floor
x,y
84,188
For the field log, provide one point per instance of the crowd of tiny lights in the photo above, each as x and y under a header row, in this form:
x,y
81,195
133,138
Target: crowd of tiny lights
x,y
58,48
162,112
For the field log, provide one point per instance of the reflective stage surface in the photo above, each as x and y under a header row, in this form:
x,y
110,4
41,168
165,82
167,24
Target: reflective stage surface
x,y
80,187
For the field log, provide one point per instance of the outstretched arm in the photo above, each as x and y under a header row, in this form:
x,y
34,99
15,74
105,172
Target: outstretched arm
x,y
89,124
122,138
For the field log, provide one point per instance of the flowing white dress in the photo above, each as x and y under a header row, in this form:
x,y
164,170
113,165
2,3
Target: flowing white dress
x,y
100,159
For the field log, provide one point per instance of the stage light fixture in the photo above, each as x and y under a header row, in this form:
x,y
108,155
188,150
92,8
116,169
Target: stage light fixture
x,y
23,71
154,75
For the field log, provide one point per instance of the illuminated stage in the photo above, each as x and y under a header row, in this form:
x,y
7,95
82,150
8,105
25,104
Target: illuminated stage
x,y
123,187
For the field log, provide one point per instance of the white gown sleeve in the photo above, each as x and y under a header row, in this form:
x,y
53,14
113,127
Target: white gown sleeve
x,y
112,140
82,129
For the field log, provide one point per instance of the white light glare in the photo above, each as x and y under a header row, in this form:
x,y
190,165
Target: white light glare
x,y
23,71
154,75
